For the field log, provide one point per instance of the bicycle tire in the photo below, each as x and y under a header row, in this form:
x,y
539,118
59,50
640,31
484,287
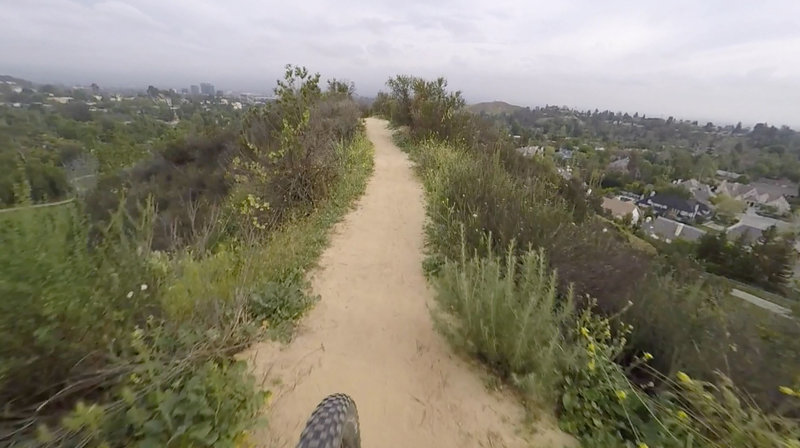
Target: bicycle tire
x,y
333,424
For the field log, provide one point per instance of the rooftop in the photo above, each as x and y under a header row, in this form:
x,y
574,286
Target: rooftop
x,y
617,207
669,230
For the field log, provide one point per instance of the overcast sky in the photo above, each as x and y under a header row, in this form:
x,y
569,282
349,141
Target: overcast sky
x,y
725,60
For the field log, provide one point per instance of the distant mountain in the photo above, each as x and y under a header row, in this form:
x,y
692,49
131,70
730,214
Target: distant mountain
x,y
494,108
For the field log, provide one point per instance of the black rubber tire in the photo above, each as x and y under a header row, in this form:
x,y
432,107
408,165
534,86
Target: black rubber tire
x,y
333,424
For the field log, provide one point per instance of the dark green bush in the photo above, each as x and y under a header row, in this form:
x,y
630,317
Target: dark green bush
x,y
187,181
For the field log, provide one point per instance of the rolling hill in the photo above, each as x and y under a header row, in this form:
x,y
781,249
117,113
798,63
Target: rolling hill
x,y
493,108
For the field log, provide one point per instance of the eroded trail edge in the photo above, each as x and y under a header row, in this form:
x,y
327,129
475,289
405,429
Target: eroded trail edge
x,y
371,336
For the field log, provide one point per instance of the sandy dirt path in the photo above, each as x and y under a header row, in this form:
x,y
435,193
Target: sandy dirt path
x,y
371,336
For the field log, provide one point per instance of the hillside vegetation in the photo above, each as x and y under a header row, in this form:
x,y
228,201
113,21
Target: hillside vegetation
x,y
493,108
662,149
626,347
122,310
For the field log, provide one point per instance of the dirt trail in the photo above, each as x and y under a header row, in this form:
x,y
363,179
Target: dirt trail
x,y
371,336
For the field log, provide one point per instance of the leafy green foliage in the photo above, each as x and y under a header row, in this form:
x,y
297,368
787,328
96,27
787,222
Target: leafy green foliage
x,y
213,406
767,263
603,408
282,301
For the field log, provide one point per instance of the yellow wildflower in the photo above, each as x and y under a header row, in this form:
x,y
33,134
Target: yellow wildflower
x,y
585,332
684,378
647,356
591,347
621,395
642,445
591,365
682,416
787,391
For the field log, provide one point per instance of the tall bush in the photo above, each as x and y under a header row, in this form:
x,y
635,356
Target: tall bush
x,y
511,317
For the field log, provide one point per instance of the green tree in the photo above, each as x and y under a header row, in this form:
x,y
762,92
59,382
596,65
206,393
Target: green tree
x,y
728,206
775,256
341,88
705,167
22,187
400,92
712,248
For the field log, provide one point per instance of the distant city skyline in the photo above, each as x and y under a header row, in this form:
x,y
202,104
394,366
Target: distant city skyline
x,y
715,60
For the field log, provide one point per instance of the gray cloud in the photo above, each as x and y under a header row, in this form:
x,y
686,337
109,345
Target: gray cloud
x,y
716,60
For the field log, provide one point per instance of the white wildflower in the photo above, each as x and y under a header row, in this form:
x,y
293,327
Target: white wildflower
x,y
143,287
130,294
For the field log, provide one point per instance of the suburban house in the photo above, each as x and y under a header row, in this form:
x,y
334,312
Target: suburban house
x,y
668,230
675,206
620,209
752,226
628,196
701,192
783,187
761,193
746,233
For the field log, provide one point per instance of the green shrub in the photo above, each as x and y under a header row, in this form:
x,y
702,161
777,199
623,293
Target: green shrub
x,y
196,283
66,304
604,409
177,388
211,406
281,303
598,404
479,193
510,317
188,183
289,157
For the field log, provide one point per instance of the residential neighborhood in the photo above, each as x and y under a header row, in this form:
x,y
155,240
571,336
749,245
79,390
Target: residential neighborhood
x,y
688,210
669,217
724,202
